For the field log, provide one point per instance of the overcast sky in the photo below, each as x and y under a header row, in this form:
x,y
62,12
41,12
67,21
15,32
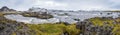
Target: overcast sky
x,y
63,4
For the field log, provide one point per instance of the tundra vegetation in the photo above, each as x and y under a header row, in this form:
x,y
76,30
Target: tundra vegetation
x,y
20,28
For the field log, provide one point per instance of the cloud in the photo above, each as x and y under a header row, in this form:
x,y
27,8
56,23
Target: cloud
x,y
49,4
74,4
62,4
17,4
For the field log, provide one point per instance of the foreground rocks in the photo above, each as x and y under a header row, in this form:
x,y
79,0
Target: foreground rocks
x,y
9,27
87,28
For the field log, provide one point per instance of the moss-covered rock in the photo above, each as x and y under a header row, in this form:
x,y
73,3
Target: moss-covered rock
x,y
37,15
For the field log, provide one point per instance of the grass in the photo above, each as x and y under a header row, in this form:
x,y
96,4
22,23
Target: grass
x,y
1,14
71,29
100,22
54,29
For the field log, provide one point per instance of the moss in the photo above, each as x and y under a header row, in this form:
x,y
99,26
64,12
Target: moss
x,y
4,20
14,33
115,11
100,22
1,14
47,29
37,15
116,29
19,27
71,29
54,29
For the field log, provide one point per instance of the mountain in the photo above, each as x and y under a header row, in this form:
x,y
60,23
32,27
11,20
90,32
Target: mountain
x,y
6,9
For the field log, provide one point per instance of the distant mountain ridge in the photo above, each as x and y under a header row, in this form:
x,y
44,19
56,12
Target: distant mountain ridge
x,y
6,9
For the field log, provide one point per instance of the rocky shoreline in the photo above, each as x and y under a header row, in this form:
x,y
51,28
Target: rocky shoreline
x,y
86,27
91,26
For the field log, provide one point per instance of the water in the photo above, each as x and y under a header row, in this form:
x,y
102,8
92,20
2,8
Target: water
x,y
63,17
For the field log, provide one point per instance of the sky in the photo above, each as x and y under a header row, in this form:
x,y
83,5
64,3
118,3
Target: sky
x,y
23,5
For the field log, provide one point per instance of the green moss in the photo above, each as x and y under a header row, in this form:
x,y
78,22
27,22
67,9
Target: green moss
x,y
45,29
100,22
13,33
116,30
71,29
1,14
54,29
19,27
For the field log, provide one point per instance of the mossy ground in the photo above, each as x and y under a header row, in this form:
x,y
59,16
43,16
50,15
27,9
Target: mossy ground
x,y
100,22
60,28
43,29
54,29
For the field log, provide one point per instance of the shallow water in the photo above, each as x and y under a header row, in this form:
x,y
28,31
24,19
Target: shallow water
x,y
62,17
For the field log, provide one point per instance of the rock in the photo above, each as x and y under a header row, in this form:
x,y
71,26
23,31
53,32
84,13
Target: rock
x,y
36,9
109,13
88,28
4,8
38,15
7,28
